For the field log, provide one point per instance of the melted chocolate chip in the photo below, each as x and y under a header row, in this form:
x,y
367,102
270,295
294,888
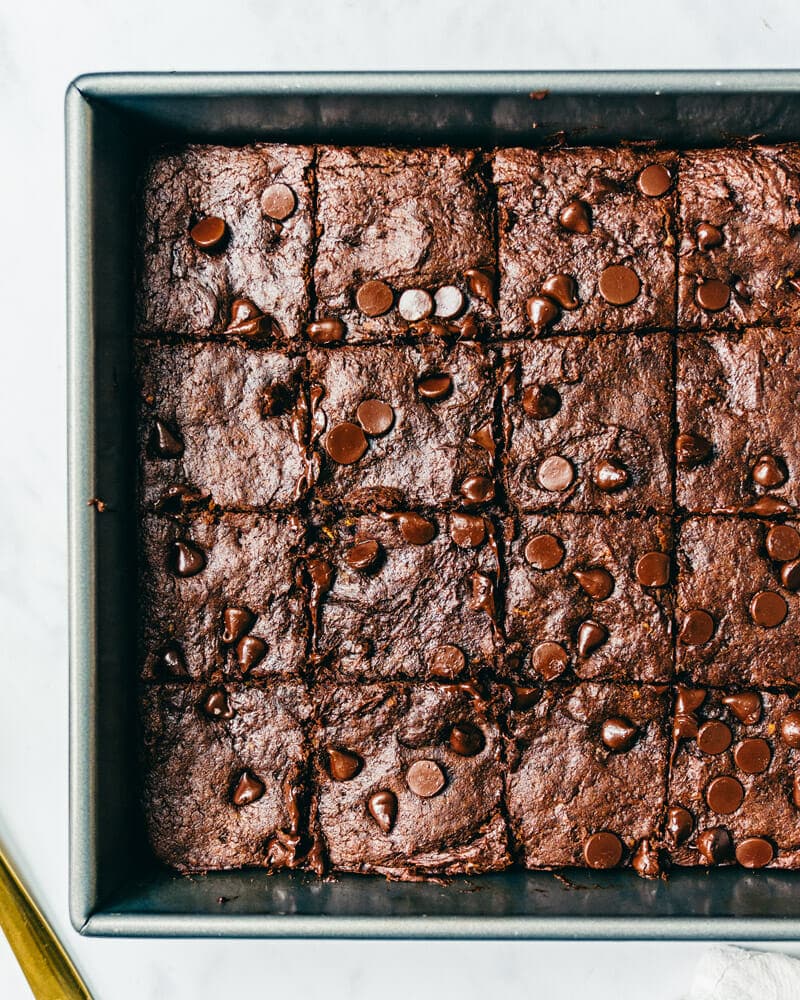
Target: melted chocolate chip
x,y
178,497
596,582
708,236
477,489
619,285
753,756
415,529
326,331
343,764
544,552
768,609
712,295
714,737
549,659
481,285
247,320
525,697
689,699
555,474
602,850
425,778
250,651
278,201
383,809
374,298
364,555
467,530
590,637
541,401
754,852
346,443
610,476
165,442
652,570
768,473
746,706
186,559
680,824
697,628
563,289
724,795
248,789
692,449
208,233
618,733
236,621
646,861
466,739
375,416
714,846
541,312
576,217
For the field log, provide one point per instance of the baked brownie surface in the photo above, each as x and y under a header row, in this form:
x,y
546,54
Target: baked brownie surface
x,y
573,214
414,221
410,780
588,423
221,596
262,255
739,223
583,761
737,425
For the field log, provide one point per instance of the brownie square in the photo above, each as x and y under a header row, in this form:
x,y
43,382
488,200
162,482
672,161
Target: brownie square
x,y
413,220
264,255
407,596
414,421
739,221
590,594
225,775
583,761
221,596
227,421
737,427
749,740
410,781
568,216
588,423
729,632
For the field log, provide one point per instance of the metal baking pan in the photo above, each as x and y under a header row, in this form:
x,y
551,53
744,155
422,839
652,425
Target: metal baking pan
x,y
116,887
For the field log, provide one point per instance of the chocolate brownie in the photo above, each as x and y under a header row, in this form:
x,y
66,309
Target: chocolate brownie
x,y
413,421
225,239
738,607
588,423
229,422
737,441
587,776
734,793
586,239
410,780
225,781
589,594
405,241
405,596
739,254
221,596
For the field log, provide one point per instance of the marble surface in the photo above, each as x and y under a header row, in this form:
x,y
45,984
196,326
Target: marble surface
x,y
44,45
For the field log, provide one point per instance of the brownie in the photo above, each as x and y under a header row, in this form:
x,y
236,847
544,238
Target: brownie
x,y
406,596
410,780
590,594
225,780
416,421
585,239
585,761
737,621
229,422
588,423
739,222
734,780
221,596
190,277
395,221
737,427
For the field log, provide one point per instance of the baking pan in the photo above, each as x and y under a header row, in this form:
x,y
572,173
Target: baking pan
x,y
116,888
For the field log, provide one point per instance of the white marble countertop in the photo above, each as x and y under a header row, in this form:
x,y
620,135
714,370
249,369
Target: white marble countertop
x,y
44,45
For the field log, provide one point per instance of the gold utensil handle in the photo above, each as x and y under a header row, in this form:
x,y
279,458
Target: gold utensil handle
x,y
47,967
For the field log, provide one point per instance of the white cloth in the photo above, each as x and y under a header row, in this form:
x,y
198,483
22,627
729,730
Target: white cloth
x,y
727,973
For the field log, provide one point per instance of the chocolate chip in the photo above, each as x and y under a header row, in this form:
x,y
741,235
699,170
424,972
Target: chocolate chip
x,y
596,582
448,302
692,449
434,386
326,331
697,628
345,443
783,543
767,472
467,530
576,217
790,575
563,289
477,489
549,659
446,662
754,852
646,860
544,551
602,850
714,845
654,180
618,733
752,756
415,529
383,809
170,662
481,284
712,295
187,559
590,637
466,739
679,825
278,201
248,789
425,778
415,304
619,285
164,442
178,497
714,737
524,697
215,705
790,730
746,706
250,651
236,622
724,795
541,312
767,507
482,598
685,726
609,476
374,298
652,570
208,233
364,555
796,791
484,438
768,609
689,699
541,401
708,236
555,474
343,764
375,416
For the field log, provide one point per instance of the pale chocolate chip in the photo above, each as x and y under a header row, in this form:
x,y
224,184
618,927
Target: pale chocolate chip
x,y
468,531
425,778
364,555
746,706
326,331
383,809
250,651
448,301
618,733
549,659
374,298
415,304
697,628
602,850
591,636
236,622
596,582
187,559
555,474
343,764
466,739
345,443
576,217
248,789
563,289
541,401
278,201
619,285
768,609
610,476
652,570
208,233
712,295
541,312
435,386
375,416
544,551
